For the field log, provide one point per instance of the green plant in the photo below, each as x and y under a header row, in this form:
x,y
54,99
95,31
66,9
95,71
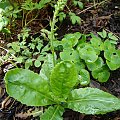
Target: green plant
x,y
27,54
79,3
3,19
58,92
29,5
9,12
99,55
56,85
74,18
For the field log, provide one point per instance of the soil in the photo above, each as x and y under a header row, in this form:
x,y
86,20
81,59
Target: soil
x,y
105,16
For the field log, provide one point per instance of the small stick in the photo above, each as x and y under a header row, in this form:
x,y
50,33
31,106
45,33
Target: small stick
x,y
91,7
3,103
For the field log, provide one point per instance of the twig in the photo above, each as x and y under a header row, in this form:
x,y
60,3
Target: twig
x,y
3,103
97,4
113,33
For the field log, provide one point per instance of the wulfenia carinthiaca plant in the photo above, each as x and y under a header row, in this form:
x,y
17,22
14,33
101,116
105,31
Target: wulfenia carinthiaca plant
x,y
55,86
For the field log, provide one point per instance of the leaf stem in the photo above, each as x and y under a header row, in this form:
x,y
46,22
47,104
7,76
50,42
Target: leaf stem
x,y
59,6
52,36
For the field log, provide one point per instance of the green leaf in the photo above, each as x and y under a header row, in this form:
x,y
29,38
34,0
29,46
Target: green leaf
x,y
6,31
75,19
95,65
108,54
96,43
80,65
19,59
47,67
28,5
70,55
102,34
15,46
92,101
109,46
27,87
4,4
80,4
71,39
88,53
84,77
53,113
37,63
65,55
39,46
111,36
63,77
42,4
75,2
114,60
113,42
82,39
32,46
102,74
28,63
62,16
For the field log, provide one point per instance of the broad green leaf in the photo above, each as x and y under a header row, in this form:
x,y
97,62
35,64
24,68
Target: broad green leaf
x,y
47,67
108,54
84,77
96,43
66,55
92,101
96,65
70,55
79,65
67,45
109,50
27,87
113,65
88,53
108,46
53,113
101,74
112,58
72,38
114,61
63,77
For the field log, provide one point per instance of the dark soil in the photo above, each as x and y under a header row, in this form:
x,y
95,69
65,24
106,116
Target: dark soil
x,y
105,16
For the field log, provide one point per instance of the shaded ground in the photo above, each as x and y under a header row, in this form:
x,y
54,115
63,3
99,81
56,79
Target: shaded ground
x,y
105,16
